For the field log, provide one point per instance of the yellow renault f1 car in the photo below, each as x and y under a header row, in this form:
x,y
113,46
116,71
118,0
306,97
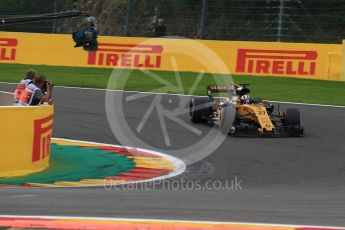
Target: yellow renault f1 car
x,y
239,115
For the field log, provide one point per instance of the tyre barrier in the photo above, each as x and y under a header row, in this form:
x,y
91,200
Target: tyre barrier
x,y
25,139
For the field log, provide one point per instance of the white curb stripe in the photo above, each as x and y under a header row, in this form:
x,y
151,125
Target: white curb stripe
x,y
176,94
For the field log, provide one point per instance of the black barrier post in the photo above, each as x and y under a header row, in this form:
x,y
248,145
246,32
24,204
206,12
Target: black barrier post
x,y
280,20
54,21
128,18
203,19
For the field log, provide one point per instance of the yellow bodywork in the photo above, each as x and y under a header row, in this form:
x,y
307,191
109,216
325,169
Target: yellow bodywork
x,y
258,113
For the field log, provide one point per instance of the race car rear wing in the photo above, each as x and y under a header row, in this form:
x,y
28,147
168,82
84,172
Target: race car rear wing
x,y
233,90
217,89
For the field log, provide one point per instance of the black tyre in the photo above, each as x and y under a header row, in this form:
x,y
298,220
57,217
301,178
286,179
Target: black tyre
x,y
292,117
200,109
227,119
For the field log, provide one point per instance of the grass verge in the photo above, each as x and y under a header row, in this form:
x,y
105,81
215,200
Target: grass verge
x,y
273,88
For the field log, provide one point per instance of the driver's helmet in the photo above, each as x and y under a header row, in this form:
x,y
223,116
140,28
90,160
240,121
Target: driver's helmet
x,y
245,99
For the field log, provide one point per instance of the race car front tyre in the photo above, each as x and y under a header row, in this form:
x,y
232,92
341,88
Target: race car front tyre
x,y
227,119
200,109
292,118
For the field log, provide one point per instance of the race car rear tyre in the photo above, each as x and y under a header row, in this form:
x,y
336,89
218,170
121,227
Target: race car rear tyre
x,y
227,119
200,109
292,117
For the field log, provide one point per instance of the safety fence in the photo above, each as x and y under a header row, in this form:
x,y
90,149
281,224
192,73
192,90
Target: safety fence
x,y
313,21
301,60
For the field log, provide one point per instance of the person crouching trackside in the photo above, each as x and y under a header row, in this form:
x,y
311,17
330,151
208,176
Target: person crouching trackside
x,y
33,94
30,74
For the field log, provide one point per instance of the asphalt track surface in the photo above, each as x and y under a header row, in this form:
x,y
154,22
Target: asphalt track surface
x,y
286,180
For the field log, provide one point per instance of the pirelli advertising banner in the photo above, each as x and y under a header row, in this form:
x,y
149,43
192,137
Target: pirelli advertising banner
x,y
310,61
25,144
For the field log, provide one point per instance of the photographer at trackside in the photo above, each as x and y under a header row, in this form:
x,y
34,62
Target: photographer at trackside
x,y
30,74
37,93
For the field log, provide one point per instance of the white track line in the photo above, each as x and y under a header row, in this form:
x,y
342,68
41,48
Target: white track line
x,y
175,94
6,92
168,221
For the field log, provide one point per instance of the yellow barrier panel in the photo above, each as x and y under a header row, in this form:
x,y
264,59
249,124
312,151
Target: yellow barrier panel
x,y
342,66
301,60
25,139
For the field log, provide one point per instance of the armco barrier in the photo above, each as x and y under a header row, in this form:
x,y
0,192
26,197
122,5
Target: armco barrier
x,y
25,138
301,60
